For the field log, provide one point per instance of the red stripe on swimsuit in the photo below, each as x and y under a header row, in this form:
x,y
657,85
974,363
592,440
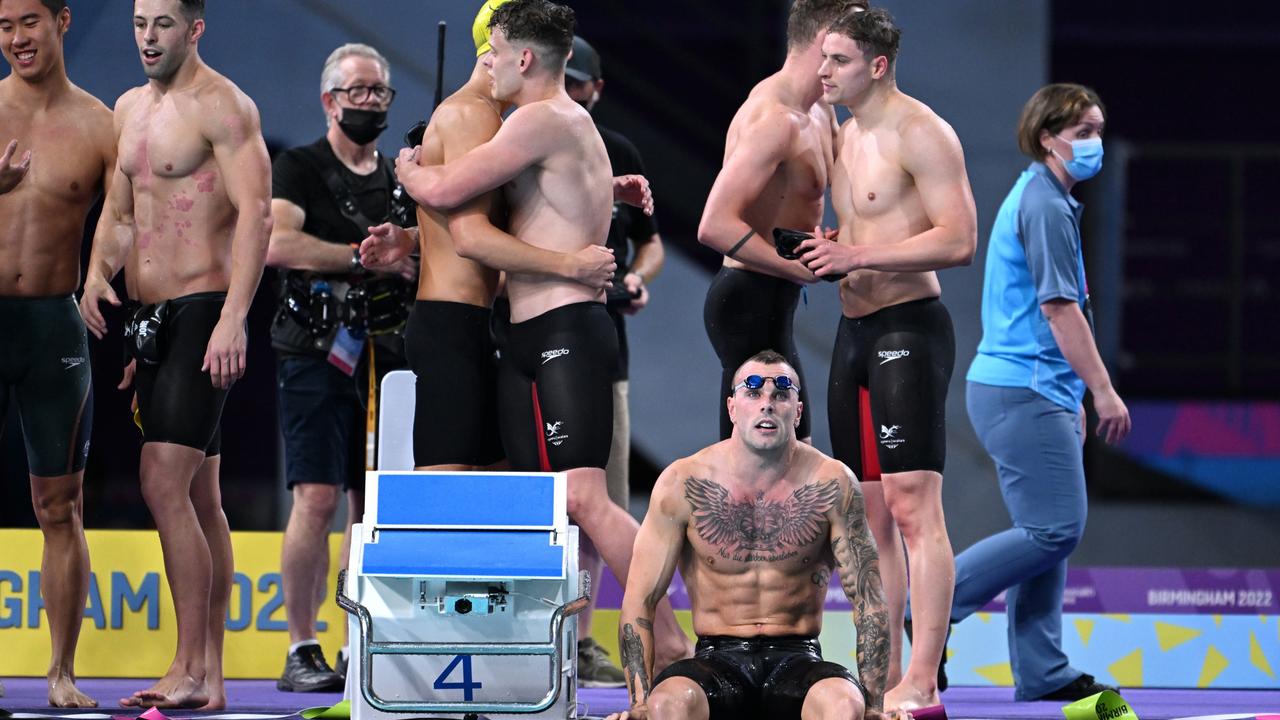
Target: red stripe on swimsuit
x,y
544,461
870,459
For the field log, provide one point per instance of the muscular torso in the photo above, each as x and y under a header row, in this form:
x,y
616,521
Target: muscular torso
x,y
183,219
793,196
563,204
443,274
877,202
42,219
757,558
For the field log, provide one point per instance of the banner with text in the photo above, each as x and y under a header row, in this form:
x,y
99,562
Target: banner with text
x,y
129,628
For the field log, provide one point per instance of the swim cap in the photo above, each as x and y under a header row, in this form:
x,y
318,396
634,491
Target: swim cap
x,y
480,28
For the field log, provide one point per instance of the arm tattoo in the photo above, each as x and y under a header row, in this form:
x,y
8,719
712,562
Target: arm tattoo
x,y
644,623
859,565
873,654
733,251
633,659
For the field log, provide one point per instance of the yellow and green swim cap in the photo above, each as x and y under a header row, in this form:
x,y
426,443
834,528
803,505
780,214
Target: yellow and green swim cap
x,y
480,28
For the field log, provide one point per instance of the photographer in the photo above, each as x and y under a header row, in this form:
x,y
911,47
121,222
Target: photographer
x,y
335,318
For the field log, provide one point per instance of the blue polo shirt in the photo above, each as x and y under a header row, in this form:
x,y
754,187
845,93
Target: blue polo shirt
x,y
1033,257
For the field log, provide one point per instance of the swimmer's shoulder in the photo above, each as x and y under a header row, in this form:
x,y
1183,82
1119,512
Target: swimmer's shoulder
x,y
213,91
671,490
917,121
464,108
88,113
128,100
468,119
83,101
765,103
822,467
97,122
764,120
701,465
559,112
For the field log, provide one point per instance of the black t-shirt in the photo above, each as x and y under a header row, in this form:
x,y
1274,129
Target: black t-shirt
x,y
629,224
297,176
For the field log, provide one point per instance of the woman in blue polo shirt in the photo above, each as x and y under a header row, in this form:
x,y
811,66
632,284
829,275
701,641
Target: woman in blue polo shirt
x,y
1026,389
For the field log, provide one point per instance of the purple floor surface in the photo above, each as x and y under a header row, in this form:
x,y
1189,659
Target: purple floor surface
x,y
27,695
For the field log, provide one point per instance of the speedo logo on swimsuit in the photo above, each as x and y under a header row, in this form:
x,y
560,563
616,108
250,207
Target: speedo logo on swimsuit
x,y
550,355
889,436
891,355
71,362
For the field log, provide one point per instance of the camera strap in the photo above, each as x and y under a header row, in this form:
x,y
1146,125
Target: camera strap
x,y
346,199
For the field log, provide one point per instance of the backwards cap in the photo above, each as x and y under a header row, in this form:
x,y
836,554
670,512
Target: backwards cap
x,y
480,28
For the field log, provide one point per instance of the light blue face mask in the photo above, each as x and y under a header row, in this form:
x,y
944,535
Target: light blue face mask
x,y
1086,158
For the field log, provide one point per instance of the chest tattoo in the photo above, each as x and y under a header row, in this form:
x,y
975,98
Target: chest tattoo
x,y
760,529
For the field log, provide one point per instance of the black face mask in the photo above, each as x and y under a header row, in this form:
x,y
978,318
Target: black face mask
x,y
362,126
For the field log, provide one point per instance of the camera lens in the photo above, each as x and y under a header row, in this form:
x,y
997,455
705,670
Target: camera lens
x,y
462,606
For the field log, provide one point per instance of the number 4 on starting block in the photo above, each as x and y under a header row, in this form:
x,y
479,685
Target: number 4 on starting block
x,y
467,687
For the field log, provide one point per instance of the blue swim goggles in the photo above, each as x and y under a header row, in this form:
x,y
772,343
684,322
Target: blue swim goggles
x,y
755,382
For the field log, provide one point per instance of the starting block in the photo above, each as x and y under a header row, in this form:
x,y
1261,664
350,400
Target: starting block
x,y
462,590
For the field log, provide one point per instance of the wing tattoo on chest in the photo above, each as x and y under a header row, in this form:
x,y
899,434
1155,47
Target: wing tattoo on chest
x,y
760,529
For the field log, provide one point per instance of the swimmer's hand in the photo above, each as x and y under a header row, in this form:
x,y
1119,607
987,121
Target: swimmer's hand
x,y
407,163
95,291
387,249
634,190
127,379
592,266
639,293
10,174
825,257
637,712
224,357
886,715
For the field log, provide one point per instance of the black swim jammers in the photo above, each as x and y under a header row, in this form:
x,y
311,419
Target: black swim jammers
x,y
44,366
451,353
760,677
902,356
177,401
555,389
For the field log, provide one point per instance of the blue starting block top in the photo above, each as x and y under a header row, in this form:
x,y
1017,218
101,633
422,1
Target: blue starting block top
x,y
465,500
464,554
465,525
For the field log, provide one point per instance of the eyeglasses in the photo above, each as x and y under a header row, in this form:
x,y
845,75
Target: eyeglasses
x,y
755,382
358,94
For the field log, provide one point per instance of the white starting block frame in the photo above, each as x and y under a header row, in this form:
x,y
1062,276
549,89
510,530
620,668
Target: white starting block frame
x,y
463,574
396,400
459,576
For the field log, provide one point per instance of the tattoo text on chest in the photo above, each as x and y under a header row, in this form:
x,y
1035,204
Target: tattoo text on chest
x,y
759,529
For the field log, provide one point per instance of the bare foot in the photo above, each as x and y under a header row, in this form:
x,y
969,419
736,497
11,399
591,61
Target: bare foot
x,y
63,693
217,701
217,695
178,691
213,679
906,697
